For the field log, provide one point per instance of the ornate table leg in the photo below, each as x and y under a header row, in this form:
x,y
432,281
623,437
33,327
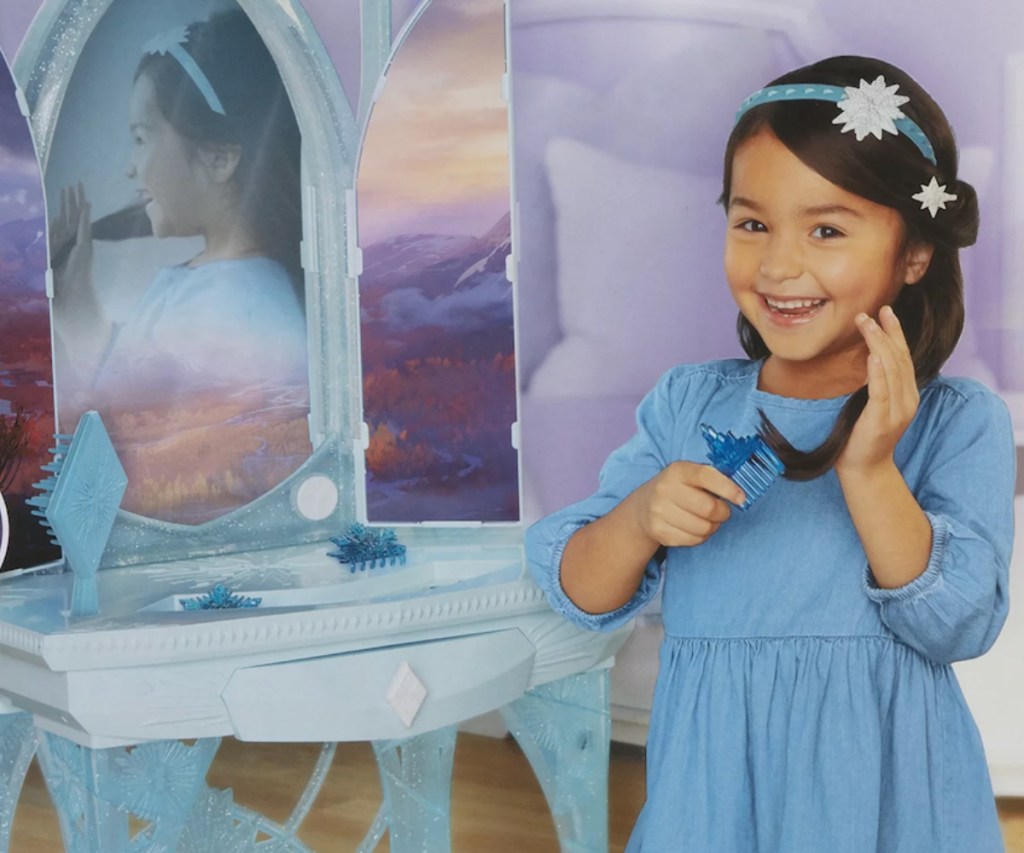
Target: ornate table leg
x,y
98,791
17,745
564,728
416,778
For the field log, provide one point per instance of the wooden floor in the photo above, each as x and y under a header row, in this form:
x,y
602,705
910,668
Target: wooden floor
x,y
497,806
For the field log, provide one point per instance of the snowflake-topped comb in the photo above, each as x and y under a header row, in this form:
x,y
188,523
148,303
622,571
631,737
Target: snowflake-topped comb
x,y
171,43
868,110
749,462
363,548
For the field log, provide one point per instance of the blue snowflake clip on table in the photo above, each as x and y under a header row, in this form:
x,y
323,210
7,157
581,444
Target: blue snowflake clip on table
x,y
78,502
364,548
748,461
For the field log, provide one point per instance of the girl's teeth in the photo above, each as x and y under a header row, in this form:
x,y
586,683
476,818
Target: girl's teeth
x,y
792,304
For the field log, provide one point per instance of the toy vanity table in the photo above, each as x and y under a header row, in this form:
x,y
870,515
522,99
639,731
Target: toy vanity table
x,y
126,709
123,663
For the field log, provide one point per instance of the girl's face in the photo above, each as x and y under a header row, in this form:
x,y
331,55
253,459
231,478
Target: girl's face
x,y
803,258
164,164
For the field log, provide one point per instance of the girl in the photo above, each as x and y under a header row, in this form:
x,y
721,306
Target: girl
x,y
805,700
204,388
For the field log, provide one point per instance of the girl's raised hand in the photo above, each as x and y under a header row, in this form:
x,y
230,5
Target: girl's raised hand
x,y
73,226
892,395
684,504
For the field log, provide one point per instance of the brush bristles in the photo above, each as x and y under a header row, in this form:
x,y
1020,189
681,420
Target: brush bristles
x,y
756,474
45,487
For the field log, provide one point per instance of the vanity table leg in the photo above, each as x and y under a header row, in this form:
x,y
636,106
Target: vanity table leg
x,y
564,728
17,746
416,778
97,792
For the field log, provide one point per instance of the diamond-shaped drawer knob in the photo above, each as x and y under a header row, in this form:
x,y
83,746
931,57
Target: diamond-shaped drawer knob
x,y
406,694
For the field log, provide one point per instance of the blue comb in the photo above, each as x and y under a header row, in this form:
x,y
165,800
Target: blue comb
x,y
362,548
748,461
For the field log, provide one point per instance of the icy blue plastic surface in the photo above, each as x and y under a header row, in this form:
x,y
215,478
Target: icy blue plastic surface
x,y
97,790
564,728
416,778
17,746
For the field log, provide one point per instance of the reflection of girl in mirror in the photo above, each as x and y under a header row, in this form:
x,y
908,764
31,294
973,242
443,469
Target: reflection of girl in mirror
x,y
204,388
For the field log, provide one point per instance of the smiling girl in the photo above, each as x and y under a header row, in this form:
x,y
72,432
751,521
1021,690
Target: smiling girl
x,y
805,700
205,387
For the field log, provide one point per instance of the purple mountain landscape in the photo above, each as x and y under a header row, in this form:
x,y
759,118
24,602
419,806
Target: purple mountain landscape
x,y
439,377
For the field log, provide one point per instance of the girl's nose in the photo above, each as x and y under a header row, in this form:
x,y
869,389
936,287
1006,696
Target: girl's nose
x,y
130,170
780,260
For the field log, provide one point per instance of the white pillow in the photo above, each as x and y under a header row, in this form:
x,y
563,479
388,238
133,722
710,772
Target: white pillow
x,y
640,282
542,107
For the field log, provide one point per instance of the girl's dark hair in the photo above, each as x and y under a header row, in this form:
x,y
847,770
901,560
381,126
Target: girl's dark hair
x,y
888,172
258,116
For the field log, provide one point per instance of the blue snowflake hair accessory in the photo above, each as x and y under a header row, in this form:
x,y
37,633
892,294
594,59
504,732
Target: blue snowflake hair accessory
x,y
364,548
220,598
748,461
869,109
171,42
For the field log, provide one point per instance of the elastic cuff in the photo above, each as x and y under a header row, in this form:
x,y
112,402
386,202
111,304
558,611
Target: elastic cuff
x,y
924,581
562,602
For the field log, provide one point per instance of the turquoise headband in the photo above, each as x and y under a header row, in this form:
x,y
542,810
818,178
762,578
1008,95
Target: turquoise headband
x,y
869,109
171,43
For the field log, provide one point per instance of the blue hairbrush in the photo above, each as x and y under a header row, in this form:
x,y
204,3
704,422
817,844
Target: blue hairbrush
x,y
748,461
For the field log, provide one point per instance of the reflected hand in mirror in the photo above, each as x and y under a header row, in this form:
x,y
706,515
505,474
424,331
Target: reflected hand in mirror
x,y
85,327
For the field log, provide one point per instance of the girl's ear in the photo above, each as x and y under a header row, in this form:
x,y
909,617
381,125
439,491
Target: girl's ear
x,y
219,161
919,255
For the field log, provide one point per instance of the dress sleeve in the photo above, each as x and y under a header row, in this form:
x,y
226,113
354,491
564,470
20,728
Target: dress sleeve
x,y
633,464
955,609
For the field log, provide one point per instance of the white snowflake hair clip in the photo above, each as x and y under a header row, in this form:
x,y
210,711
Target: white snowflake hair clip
x,y
869,109
171,42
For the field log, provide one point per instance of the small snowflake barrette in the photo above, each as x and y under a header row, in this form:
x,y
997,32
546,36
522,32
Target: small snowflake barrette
x,y
933,197
170,42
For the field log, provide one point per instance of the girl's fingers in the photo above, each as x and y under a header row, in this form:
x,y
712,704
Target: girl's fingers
x,y
878,390
891,324
685,528
714,481
909,395
84,226
894,329
894,368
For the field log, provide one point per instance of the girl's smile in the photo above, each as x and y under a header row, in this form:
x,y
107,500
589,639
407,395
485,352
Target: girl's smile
x,y
803,258
791,312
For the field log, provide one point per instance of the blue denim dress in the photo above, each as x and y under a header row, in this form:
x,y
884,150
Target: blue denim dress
x,y
800,707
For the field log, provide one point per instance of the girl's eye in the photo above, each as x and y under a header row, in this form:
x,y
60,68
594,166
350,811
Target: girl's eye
x,y
826,232
751,225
